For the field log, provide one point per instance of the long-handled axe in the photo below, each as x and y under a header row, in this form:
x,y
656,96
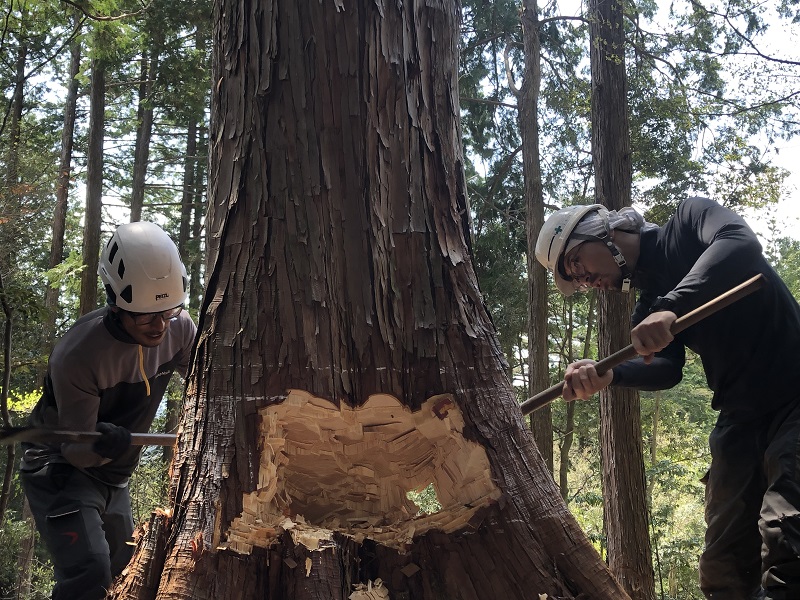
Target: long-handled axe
x,y
740,291
11,435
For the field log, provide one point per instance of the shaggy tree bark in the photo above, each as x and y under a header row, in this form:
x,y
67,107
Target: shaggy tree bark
x,y
345,355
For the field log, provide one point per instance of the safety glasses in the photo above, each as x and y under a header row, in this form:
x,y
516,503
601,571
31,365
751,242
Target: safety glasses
x,y
147,318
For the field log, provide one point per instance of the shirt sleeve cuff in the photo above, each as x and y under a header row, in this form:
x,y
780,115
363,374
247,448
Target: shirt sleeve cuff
x,y
663,303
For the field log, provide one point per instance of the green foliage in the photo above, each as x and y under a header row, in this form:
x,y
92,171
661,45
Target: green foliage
x,y
67,275
22,402
679,429
702,105
785,257
678,460
12,535
149,484
425,499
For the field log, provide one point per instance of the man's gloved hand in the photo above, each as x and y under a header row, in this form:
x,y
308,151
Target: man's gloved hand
x,y
114,441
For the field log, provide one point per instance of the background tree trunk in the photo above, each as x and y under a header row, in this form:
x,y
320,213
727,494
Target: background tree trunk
x,y
345,354
25,555
538,363
14,190
62,194
188,205
144,131
625,506
94,188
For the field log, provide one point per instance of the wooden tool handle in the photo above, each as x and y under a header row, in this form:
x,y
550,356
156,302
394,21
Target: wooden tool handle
x,y
698,314
55,436
137,439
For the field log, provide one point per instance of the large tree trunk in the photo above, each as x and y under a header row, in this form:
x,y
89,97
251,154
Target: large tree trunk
x,y
625,505
345,354
94,188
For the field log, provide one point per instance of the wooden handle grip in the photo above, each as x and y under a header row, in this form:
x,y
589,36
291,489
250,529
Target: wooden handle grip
x,y
55,436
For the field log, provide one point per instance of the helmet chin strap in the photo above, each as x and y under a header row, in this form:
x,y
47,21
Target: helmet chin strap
x,y
616,254
620,260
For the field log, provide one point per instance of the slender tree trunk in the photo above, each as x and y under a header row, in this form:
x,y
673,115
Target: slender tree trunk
x,y
187,204
144,131
94,188
195,283
188,189
17,104
625,507
12,185
10,465
12,181
25,554
528,100
345,355
62,192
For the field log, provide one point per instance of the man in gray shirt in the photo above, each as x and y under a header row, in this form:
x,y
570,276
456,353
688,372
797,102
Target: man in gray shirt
x,y
108,373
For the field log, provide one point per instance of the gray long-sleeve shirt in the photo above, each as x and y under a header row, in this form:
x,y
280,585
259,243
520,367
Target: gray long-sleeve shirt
x,y
748,349
98,373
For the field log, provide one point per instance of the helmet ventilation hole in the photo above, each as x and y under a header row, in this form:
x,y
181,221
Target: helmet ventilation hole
x,y
127,294
121,269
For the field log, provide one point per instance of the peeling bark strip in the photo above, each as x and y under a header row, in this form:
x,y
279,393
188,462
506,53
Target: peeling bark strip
x,y
340,282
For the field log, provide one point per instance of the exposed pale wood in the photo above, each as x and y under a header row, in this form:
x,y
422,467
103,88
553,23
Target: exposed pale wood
x,y
325,468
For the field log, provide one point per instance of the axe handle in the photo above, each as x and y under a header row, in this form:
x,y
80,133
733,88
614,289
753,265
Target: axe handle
x,y
87,437
620,356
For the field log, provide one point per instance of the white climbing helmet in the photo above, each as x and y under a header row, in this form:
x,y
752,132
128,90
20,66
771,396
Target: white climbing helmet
x,y
554,238
142,270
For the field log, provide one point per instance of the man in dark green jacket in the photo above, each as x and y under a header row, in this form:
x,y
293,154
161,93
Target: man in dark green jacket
x,y
108,373
753,488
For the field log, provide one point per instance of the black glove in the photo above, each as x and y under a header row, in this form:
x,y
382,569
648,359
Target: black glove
x,y
114,441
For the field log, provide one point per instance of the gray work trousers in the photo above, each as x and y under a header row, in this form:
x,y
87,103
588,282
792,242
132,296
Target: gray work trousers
x,y
752,548
85,525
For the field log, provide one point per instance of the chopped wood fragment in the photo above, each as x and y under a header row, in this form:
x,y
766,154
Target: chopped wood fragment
x,y
197,545
369,591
